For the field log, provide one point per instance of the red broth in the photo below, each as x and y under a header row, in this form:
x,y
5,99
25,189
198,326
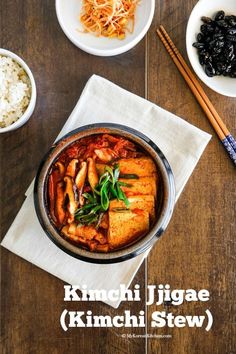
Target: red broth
x,y
102,192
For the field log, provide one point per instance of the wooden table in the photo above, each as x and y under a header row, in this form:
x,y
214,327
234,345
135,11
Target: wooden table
x,y
198,250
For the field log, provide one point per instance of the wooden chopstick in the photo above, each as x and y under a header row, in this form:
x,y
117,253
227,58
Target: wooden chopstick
x,y
200,99
200,90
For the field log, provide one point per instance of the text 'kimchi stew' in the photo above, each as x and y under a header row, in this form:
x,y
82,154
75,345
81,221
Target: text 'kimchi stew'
x,y
102,192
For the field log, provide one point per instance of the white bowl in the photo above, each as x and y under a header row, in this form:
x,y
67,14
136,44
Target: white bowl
x,y
29,110
68,12
223,85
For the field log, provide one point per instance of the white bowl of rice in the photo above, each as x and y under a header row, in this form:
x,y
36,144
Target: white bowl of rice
x,y
17,91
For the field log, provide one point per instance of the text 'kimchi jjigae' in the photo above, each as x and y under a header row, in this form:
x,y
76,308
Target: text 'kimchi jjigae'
x,y
102,192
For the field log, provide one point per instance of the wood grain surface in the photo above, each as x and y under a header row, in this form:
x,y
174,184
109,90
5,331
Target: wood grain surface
x,y
198,250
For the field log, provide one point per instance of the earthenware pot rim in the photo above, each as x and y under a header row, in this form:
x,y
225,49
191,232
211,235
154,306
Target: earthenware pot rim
x,y
133,249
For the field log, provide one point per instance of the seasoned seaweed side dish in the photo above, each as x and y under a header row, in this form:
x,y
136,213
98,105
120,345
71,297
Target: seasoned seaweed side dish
x,y
216,45
102,192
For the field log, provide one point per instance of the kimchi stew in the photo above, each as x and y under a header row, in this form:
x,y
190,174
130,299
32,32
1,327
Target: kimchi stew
x,y
102,192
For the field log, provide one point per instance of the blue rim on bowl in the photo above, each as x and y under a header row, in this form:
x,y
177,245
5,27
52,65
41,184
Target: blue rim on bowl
x,y
131,250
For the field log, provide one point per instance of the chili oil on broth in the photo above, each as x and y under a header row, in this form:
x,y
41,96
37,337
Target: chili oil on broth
x,y
95,220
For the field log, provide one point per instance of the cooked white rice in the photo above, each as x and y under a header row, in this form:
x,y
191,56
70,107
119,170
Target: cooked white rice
x,y
15,91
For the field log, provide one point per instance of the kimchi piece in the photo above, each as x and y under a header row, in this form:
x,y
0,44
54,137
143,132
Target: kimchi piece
x,y
102,192
108,18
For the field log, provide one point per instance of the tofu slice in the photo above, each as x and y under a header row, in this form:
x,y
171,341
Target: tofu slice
x,y
142,166
141,186
125,227
143,202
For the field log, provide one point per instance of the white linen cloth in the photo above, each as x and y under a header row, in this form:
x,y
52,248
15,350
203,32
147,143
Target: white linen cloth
x,y
103,101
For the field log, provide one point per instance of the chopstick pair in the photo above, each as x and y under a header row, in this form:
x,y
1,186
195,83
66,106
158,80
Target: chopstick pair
x,y
220,128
